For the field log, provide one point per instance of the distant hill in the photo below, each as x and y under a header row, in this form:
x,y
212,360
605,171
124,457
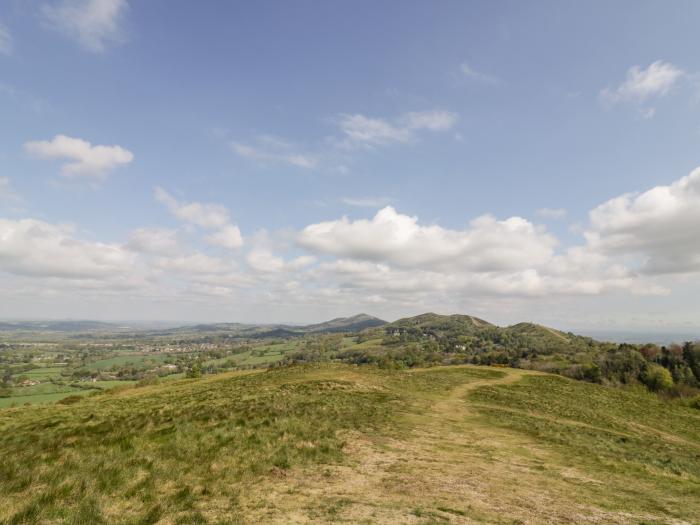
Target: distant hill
x,y
355,323
456,325
472,338
57,326
441,324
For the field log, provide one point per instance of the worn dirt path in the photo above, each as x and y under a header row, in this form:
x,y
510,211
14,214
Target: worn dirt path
x,y
444,465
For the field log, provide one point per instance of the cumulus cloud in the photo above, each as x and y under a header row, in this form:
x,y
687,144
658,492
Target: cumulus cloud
x,y
641,85
486,244
94,24
263,260
36,248
551,213
194,264
661,224
85,160
206,215
160,241
6,42
361,130
386,258
227,237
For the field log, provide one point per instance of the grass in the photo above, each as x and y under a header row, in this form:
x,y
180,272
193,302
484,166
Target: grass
x,y
138,455
43,373
639,443
137,360
50,392
37,399
336,443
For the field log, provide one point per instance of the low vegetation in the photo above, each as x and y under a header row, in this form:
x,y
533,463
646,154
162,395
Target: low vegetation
x,y
334,443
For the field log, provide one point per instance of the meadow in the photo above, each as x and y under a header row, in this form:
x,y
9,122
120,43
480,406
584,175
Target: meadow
x,y
355,444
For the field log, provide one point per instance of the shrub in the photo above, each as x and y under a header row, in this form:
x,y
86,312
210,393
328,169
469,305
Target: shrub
x,y
657,378
70,400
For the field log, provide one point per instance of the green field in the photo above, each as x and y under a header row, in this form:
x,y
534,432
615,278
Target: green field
x,y
336,443
260,355
50,392
36,399
136,360
43,373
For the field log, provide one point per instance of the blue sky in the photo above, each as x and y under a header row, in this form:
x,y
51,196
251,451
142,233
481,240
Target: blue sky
x,y
291,161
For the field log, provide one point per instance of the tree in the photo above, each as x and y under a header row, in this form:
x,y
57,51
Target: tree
x,y
650,351
195,371
691,355
657,378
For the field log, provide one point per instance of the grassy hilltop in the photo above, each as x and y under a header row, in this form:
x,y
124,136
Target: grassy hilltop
x,y
339,443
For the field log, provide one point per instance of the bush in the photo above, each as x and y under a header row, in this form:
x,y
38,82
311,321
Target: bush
x,y
695,402
70,400
657,378
147,381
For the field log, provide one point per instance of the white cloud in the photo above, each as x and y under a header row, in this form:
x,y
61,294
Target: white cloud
x,y
6,41
552,213
36,248
469,72
361,130
485,245
263,260
429,120
194,264
227,237
641,85
94,24
272,150
388,258
89,161
660,224
366,202
159,241
206,215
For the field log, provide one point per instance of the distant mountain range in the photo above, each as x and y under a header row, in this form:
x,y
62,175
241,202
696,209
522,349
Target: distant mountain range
x,y
56,326
355,323
438,325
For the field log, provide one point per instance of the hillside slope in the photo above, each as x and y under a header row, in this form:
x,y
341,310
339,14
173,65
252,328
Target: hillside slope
x,y
355,323
337,443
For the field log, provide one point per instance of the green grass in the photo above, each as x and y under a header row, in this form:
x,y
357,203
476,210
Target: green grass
x,y
638,441
337,443
141,454
50,392
272,354
43,373
110,384
36,399
136,360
